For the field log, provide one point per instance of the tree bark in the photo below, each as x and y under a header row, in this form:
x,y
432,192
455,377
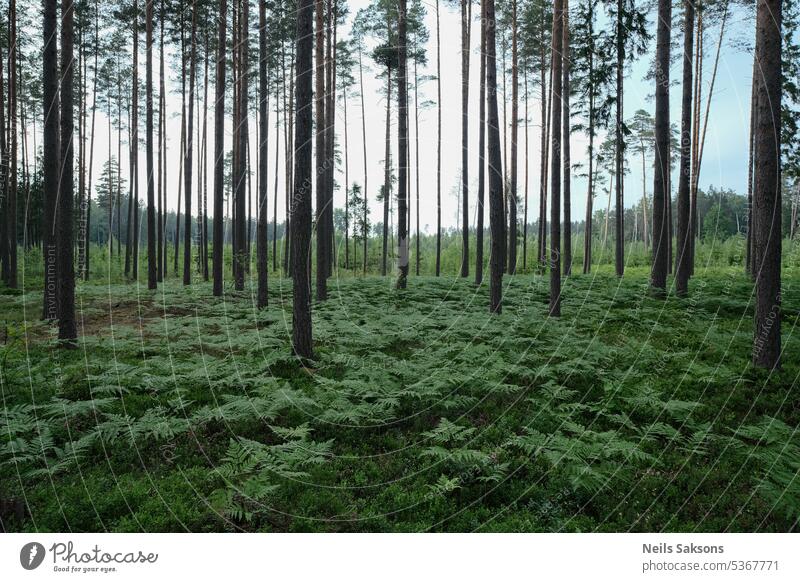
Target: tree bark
x,y
402,146
684,186
619,242
301,199
555,162
481,154
261,242
661,195
219,152
496,222
438,145
51,156
767,194
67,330
152,275
512,195
466,17
565,148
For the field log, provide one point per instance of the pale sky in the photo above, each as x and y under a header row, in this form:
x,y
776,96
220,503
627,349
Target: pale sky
x,y
724,161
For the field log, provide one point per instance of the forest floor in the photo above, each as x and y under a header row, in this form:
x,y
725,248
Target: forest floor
x,y
181,411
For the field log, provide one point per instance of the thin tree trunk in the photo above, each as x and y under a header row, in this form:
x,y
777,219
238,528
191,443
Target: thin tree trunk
x,y
320,153
565,147
466,21
512,195
219,152
555,162
438,148
481,154
364,142
240,248
387,173
263,216
619,240
402,146
684,186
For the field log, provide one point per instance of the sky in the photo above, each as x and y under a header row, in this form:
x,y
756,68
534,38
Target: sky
x,y
724,159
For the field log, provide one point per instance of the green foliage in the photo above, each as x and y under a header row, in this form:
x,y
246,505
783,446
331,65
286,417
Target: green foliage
x,y
422,411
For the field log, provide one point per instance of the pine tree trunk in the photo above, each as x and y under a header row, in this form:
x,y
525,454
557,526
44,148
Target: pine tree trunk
x,y
512,195
496,222
67,331
187,159
466,21
387,171
661,194
767,194
219,151
240,247
481,154
402,146
261,234
364,142
684,186
320,153
555,162
619,239
152,276
438,146
301,199
565,147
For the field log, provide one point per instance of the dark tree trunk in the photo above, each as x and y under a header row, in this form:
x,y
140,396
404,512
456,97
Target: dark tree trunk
x,y
51,156
11,170
219,152
240,197
263,216
750,171
364,142
481,154
187,157
161,190
496,222
320,152
402,145
438,146
466,17
302,342
512,195
619,219
387,172
767,193
661,194
152,275
555,163
684,206
67,330
565,148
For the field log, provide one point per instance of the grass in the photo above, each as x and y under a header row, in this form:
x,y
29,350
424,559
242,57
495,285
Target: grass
x,y
181,411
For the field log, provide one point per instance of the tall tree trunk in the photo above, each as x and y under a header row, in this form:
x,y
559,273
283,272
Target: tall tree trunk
x,y
91,140
417,256
330,135
240,248
161,190
402,145
364,142
152,276
661,194
320,152
512,195
263,216
767,194
438,145
525,211
346,184
588,230
204,223
684,187
496,222
751,171
67,330
565,147
542,243
219,151
555,162
619,239
302,342
481,153
187,159
466,18
277,161
11,202
387,171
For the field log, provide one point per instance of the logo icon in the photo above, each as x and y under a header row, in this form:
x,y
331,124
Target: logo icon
x,y
31,555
